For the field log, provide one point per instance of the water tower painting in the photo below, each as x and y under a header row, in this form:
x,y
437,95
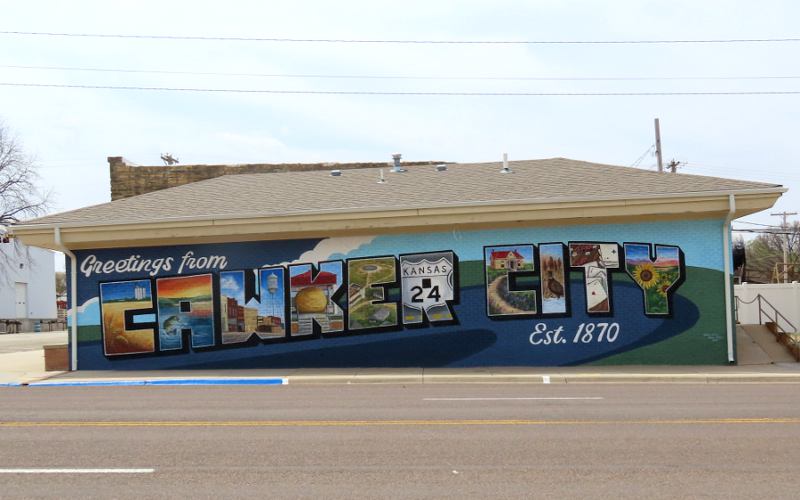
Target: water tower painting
x,y
272,306
252,302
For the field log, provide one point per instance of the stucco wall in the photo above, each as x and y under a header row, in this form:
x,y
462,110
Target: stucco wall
x,y
36,268
423,299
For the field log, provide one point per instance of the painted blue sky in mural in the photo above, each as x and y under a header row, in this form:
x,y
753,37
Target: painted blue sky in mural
x,y
231,284
552,251
125,290
272,304
638,254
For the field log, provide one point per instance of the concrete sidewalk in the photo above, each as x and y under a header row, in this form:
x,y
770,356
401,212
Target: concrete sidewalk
x,y
22,356
778,373
27,367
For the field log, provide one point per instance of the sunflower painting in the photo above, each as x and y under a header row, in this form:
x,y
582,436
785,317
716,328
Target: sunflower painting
x,y
645,275
656,278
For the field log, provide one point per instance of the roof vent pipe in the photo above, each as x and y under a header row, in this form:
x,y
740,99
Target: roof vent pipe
x,y
397,168
506,169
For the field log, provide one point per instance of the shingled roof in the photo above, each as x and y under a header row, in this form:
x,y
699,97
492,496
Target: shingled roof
x,y
277,194
467,195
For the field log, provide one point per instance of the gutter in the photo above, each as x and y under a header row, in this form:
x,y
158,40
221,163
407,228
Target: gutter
x,y
73,268
726,266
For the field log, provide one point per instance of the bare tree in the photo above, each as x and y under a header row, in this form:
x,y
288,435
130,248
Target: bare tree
x,y
19,199
765,255
19,196
61,283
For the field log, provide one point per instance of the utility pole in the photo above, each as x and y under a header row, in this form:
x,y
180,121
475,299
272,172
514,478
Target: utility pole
x,y
785,227
673,166
658,147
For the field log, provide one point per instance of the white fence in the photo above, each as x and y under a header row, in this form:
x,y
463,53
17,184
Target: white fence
x,y
783,297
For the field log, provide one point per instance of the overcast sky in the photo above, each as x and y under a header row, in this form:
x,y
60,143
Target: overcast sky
x,y
72,131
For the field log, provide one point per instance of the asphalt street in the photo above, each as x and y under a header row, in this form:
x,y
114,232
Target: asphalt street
x,y
395,441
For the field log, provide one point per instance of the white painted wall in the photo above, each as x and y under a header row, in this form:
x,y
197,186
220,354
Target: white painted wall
x,y
35,267
784,296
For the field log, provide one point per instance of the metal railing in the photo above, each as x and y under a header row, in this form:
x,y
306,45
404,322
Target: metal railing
x,y
772,314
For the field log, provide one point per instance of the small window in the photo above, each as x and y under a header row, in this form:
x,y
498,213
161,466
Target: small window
x,y
186,306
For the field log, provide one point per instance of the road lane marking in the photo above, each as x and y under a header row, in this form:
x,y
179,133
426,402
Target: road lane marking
x,y
367,423
576,398
77,471
545,379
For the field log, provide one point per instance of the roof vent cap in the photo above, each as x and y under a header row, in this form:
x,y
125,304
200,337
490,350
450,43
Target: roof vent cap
x,y
397,167
441,168
336,173
506,169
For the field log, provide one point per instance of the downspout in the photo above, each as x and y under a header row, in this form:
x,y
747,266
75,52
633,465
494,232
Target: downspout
x,y
726,267
73,282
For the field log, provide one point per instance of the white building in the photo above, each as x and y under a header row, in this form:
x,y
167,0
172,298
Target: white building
x,y
27,284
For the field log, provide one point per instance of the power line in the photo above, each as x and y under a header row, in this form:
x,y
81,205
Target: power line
x,y
761,231
401,41
756,224
639,160
400,77
399,93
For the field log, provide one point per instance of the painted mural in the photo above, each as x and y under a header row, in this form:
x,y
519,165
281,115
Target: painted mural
x,y
252,302
121,336
367,299
487,300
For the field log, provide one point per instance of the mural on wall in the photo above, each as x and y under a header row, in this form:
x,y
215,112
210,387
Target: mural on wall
x,y
119,300
657,277
251,303
428,287
552,258
314,294
506,267
185,308
560,301
367,305
595,260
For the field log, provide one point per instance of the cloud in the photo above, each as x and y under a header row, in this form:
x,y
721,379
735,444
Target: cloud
x,y
326,248
229,284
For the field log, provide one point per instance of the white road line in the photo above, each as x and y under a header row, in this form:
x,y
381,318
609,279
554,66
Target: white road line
x,y
579,398
545,379
77,471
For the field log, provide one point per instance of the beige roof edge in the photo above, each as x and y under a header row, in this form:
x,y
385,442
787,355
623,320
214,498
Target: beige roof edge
x,y
340,222
377,210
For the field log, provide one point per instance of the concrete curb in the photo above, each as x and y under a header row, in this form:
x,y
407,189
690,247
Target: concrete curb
x,y
665,378
160,381
416,377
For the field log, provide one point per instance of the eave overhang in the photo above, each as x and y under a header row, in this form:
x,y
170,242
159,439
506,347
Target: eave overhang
x,y
315,224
